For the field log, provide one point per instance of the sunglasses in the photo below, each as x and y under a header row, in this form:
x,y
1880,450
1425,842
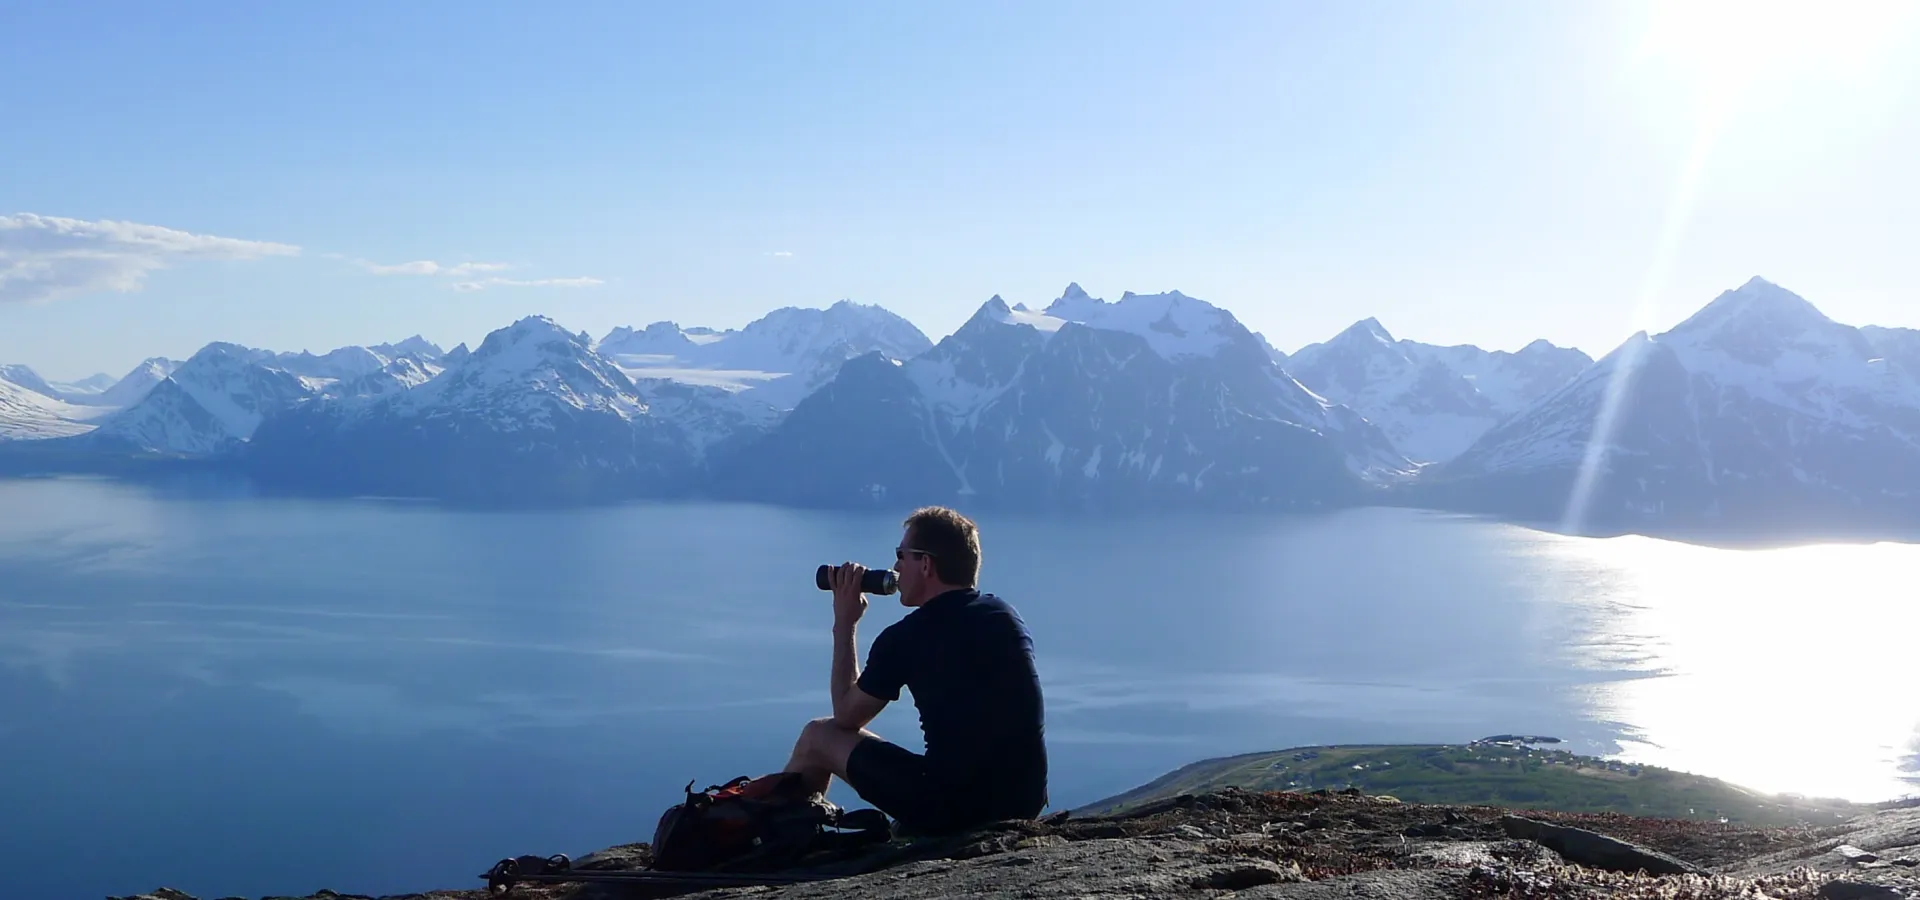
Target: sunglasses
x,y
900,555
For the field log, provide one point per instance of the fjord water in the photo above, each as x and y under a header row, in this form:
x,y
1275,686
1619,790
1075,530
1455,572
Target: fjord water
x,y
232,694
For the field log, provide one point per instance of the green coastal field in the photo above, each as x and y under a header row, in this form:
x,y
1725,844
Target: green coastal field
x,y
1500,773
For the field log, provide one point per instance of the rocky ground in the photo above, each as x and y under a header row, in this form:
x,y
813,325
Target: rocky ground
x,y
1325,845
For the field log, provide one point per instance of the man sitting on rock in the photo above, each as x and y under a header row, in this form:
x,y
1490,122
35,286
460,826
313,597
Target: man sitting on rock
x,y
968,659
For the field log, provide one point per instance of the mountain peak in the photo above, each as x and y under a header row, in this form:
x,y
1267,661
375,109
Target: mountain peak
x,y
224,352
1174,324
1763,296
1075,305
994,310
1168,295
533,361
1366,331
415,346
658,337
26,377
845,307
1758,307
538,324
531,328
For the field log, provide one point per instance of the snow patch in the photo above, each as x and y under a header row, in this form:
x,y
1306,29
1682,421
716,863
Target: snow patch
x,y
1020,315
780,357
29,415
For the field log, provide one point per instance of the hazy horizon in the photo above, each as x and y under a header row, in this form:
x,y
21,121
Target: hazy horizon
x,y
1286,347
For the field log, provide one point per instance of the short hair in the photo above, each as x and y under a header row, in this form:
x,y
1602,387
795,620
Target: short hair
x,y
951,539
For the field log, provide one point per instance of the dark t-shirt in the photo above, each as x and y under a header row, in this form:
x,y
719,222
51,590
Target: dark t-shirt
x,y
968,659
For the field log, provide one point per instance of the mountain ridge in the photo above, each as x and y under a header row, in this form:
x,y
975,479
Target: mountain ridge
x,y
1011,409
1433,402
779,357
1758,413
1153,401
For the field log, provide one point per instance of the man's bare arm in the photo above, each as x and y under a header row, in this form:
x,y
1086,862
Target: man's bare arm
x,y
853,708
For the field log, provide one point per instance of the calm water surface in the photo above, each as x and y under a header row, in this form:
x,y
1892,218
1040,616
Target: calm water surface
x,y
235,695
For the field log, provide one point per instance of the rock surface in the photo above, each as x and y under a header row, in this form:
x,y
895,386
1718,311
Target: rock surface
x,y
1321,845
1595,850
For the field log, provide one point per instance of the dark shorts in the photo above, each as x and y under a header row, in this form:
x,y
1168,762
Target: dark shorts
x,y
895,780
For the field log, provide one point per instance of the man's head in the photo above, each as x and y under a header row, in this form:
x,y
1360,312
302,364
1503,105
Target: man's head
x,y
939,551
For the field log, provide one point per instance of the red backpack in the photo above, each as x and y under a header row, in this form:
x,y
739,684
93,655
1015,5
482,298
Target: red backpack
x,y
753,823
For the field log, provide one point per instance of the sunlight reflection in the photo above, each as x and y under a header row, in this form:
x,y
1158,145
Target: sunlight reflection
x,y
1780,670
1733,60
1673,224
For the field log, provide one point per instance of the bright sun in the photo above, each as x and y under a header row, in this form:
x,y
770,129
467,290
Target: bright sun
x,y
1814,65
1727,48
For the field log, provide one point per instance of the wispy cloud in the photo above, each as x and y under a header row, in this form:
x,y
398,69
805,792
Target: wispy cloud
x,y
48,257
784,254
429,267
468,271
484,283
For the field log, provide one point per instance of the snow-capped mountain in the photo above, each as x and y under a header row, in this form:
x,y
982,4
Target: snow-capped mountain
x,y
779,358
1757,413
1433,402
1511,381
533,414
416,348
523,376
354,362
26,377
664,339
1175,325
93,383
402,374
345,363
1185,330
81,393
85,392
1156,401
209,405
135,384
30,415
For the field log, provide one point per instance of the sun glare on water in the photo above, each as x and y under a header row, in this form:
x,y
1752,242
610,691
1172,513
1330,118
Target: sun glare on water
x,y
1788,670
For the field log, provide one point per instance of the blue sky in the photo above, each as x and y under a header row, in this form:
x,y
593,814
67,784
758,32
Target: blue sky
x,y
1487,172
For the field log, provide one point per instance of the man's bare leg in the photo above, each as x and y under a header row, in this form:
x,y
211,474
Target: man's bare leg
x,y
821,753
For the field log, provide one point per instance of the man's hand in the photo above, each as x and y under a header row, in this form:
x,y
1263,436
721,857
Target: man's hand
x,y
849,603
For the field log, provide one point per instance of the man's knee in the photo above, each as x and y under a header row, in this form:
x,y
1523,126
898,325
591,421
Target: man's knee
x,y
816,726
817,732
828,744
